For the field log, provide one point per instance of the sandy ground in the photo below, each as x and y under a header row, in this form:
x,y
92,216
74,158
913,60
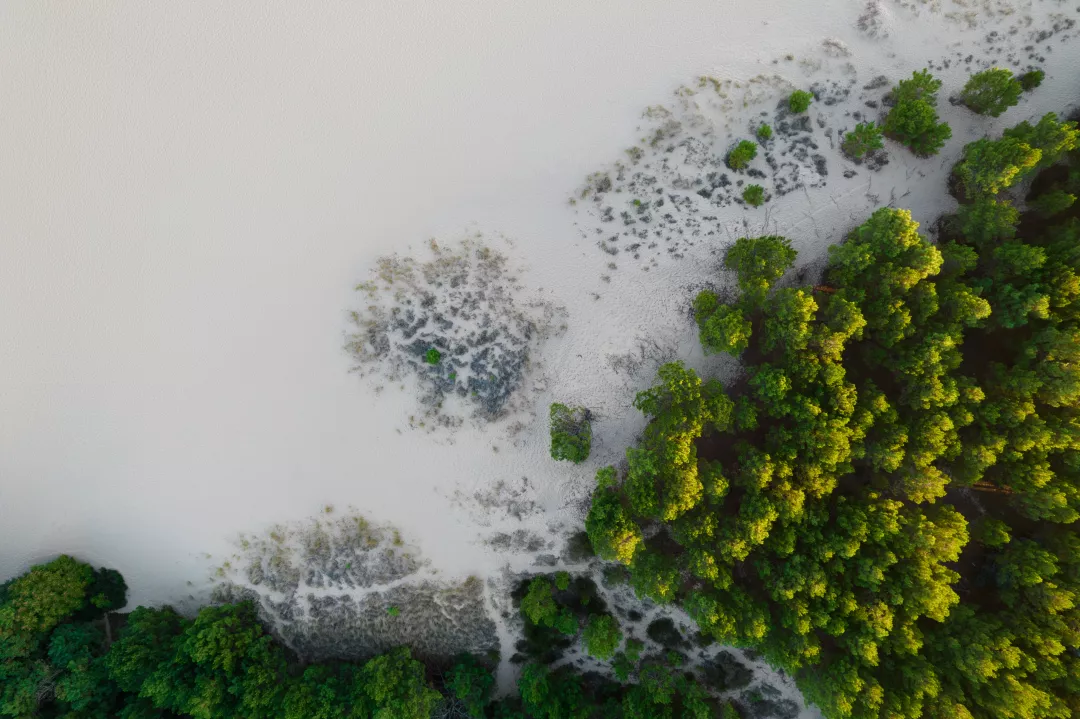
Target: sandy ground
x,y
189,196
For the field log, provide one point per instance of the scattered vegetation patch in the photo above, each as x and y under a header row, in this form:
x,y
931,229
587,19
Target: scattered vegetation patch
x,y
571,433
459,323
866,137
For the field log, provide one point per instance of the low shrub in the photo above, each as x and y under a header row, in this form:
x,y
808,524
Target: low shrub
x,y
800,101
865,138
754,195
991,92
1031,79
764,132
741,155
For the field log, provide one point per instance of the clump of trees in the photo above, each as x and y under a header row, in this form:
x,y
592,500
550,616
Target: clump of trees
x,y
885,504
799,101
571,433
991,92
740,156
913,119
866,137
63,654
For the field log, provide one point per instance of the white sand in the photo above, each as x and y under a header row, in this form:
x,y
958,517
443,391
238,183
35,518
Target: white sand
x,y
188,196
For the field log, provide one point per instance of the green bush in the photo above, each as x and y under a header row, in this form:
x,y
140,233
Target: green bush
x,y
433,356
1052,203
764,132
800,101
741,155
1031,79
865,138
571,433
991,92
754,195
602,636
913,119
989,166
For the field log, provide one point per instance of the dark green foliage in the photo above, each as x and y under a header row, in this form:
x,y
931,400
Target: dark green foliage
x,y
540,608
1031,79
741,155
865,138
571,433
799,101
471,683
1052,203
754,195
758,262
764,132
913,119
602,636
433,356
991,92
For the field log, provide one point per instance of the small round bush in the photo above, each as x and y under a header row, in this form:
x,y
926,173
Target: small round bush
x,y
754,195
865,137
433,356
741,155
800,101
602,636
764,132
1031,79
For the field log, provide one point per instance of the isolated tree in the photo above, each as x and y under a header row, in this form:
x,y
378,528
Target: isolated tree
x,y
913,119
991,92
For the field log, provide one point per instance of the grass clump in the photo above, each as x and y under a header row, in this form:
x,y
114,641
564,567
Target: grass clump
x,y
799,101
741,155
764,132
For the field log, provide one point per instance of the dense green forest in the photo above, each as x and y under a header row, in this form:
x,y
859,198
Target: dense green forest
x,y
883,503
62,654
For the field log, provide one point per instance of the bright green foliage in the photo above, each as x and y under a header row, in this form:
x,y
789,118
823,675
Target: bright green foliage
x,y
754,195
44,596
1052,203
613,534
471,683
990,166
602,636
1031,79
723,328
915,376
764,132
913,120
1049,136
433,356
571,433
740,156
540,608
799,101
991,92
865,138
758,263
